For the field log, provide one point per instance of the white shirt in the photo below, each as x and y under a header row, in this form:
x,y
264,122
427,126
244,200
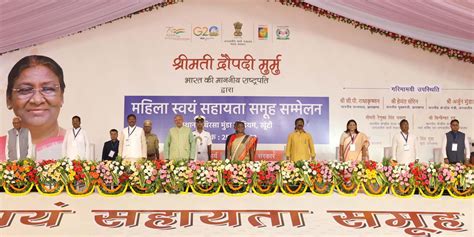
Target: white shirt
x,y
203,140
466,145
76,144
132,144
30,146
404,147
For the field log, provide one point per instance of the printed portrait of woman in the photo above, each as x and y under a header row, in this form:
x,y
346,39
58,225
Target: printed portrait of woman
x,y
35,93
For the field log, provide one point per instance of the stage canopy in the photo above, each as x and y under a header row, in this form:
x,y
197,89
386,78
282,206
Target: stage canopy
x,y
447,23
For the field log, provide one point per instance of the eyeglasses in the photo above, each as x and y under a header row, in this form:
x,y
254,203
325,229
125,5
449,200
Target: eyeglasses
x,y
28,92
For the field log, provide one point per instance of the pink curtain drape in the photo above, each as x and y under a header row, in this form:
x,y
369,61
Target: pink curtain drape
x,y
448,23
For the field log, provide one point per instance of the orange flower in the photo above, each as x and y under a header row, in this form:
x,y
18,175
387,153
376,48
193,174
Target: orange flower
x,y
94,175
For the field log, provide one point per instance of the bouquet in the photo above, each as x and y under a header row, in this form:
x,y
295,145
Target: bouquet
x,y
19,176
206,176
318,176
347,176
51,177
112,176
461,181
175,176
144,178
403,184
264,178
373,178
82,176
291,178
427,180
236,176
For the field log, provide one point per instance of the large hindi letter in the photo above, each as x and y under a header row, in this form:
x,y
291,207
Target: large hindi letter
x,y
116,218
223,217
349,219
48,218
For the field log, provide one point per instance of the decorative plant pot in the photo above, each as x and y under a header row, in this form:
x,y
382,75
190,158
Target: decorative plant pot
x,y
321,189
294,189
348,189
144,191
265,189
18,191
79,189
210,190
236,190
51,189
112,191
402,192
456,191
177,189
375,189
431,192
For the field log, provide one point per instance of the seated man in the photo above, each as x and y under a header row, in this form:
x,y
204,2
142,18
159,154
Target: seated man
x,y
241,146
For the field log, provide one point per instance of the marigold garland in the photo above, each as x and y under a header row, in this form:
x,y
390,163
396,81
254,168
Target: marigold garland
x,y
143,191
111,192
326,190
200,193
297,190
265,194
25,190
240,194
404,192
50,192
375,193
185,190
75,193
431,194
292,193
354,188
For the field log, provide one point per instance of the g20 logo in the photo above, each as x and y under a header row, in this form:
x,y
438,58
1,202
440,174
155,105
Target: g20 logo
x,y
206,31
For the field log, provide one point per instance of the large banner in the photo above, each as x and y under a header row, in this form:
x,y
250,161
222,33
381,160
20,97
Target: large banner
x,y
257,61
269,118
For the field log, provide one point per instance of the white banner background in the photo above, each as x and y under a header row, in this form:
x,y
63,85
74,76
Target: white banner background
x,y
321,58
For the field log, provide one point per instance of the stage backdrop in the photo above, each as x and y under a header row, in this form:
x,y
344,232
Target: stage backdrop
x,y
256,61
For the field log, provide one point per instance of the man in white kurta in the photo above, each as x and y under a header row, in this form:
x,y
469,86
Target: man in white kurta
x,y
203,140
18,143
404,145
76,143
132,139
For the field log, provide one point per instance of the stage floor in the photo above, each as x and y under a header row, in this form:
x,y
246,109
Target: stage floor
x,y
222,215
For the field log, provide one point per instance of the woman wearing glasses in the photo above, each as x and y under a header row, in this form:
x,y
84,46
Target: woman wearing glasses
x,y
35,94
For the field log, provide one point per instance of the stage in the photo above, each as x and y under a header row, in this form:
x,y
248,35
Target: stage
x,y
222,215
